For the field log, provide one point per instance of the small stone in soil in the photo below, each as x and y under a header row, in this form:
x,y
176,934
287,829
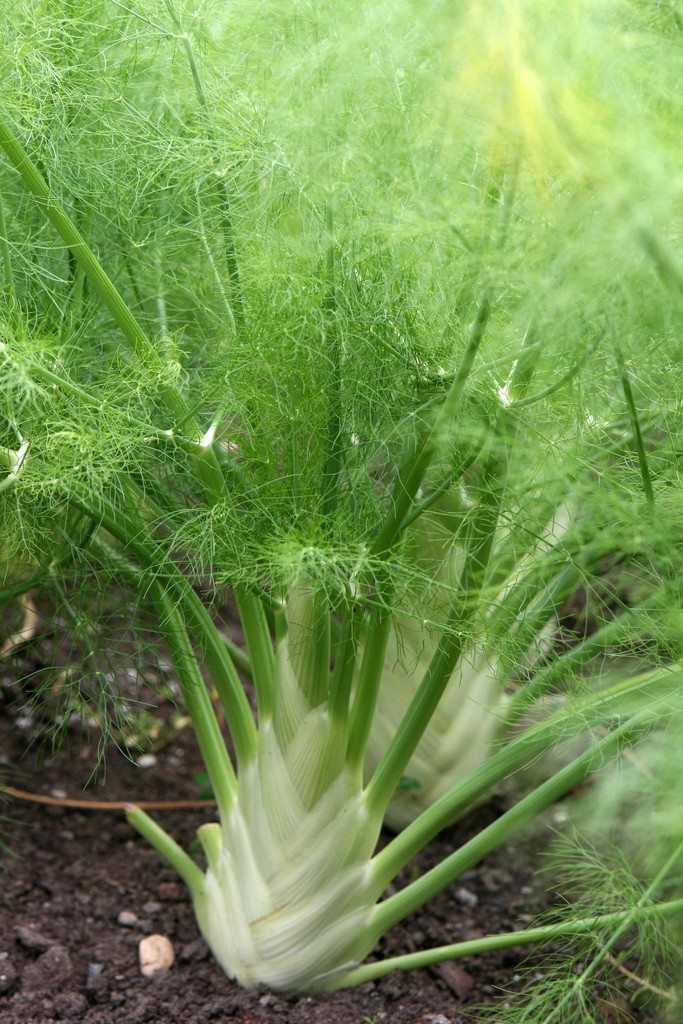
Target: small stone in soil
x,y
31,938
170,891
151,907
127,919
457,979
466,897
156,955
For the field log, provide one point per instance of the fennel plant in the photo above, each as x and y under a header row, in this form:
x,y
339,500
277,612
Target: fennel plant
x,y
236,353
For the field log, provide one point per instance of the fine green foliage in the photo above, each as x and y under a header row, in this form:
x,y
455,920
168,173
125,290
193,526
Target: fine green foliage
x,y
322,306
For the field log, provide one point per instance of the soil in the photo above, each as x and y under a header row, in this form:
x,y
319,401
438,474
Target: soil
x,y
79,890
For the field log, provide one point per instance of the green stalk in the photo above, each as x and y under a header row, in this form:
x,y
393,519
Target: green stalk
x,y
14,590
131,532
261,658
214,754
240,658
477,556
367,690
73,239
413,896
507,940
412,472
4,248
456,473
419,713
344,648
220,666
7,459
514,756
168,848
637,433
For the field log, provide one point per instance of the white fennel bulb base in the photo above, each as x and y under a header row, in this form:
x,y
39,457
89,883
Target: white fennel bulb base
x,y
286,899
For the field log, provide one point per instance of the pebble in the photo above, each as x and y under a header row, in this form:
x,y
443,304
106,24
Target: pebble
x,y
127,919
151,907
170,891
457,979
31,938
466,897
94,970
48,972
156,955
146,761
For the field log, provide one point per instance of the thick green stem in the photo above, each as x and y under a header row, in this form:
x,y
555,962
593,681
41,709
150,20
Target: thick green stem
x,y
344,649
4,249
479,545
508,940
73,239
369,679
419,713
240,658
637,432
168,848
214,753
260,647
409,899
221,667
130,530
652,688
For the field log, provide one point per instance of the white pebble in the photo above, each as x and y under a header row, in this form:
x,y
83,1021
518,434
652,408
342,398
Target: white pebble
x,y
156,955
127,919
146,761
